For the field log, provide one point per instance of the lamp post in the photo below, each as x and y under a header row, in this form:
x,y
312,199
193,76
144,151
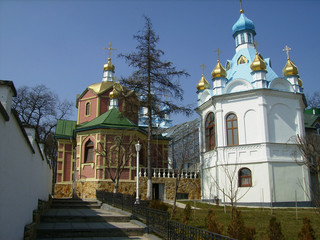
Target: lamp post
x,y
138,148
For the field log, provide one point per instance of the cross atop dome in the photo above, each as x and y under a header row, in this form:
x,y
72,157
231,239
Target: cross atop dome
x,y
203,67
287,49
241,9
218,51
110,49
108,68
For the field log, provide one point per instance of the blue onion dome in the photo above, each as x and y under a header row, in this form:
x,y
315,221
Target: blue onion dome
x,y
166,109
243,23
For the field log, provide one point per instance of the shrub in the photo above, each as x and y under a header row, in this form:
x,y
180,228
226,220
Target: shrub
x,y
250,233
186,213
236,228
307,232
159,205
206,220
275,232
212,224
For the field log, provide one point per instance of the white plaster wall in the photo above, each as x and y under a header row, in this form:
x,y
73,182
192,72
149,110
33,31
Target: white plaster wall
x,y
247,113
289,179
208,188
24,178
228,177
281,118
5,97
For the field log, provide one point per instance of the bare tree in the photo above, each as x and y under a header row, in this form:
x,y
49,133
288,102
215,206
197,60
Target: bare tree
x,y
116,155
182,154
40,108
314,100
153,79
308,154
230,188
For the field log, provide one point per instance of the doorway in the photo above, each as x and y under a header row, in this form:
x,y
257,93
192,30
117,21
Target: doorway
x,y
158,191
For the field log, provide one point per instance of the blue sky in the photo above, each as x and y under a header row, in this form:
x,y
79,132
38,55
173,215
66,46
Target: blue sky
x,y
61,43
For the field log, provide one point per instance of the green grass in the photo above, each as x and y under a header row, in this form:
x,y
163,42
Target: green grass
x,y
255,217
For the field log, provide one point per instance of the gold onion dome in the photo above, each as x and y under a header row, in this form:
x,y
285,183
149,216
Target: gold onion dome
x,y
203,84
113,94
108,65
258,64
290,69
300,82
218,71
117,89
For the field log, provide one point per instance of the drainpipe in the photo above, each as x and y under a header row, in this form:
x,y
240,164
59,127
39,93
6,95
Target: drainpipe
x,y
217,179
201,155
74,170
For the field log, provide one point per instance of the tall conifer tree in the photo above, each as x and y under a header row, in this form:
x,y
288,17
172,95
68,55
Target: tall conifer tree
x,y
156,81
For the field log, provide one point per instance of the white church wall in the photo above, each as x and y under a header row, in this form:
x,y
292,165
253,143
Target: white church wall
x,y
290,182
219,184
237,85
281,84
281,152
247,115
24,178
250,126
282,124
204,96
208,189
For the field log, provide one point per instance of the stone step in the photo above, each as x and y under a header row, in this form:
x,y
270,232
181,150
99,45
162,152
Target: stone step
x,y
75,203
144,237
76,206
71,200
89,229
84,215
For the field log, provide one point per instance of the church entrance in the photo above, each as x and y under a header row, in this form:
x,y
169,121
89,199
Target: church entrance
x,y
158,191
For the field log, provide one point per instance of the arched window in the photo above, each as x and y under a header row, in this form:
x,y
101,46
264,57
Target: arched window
x,y
210,132
88,153
242,60
87,108
237,41
232,130
228,66
242,38
249,38
245,177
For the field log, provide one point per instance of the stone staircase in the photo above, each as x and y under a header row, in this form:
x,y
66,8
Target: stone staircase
x,y
77,219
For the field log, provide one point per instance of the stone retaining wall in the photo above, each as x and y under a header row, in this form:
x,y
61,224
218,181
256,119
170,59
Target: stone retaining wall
x,y
87,190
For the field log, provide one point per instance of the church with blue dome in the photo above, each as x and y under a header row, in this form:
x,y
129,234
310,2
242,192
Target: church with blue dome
x,y
249,119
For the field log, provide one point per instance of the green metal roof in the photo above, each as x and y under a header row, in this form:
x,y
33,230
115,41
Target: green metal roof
x,y
110,119
64,128
315,111
310,117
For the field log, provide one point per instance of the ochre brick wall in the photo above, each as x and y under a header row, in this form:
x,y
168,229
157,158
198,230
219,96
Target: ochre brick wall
x,y
87,190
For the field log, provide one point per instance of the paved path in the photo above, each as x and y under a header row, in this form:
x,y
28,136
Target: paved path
x,y
179,205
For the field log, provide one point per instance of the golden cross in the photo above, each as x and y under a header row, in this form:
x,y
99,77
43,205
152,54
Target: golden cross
x,y
287,49
241,10
256,44
109,48
218,53
203,67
